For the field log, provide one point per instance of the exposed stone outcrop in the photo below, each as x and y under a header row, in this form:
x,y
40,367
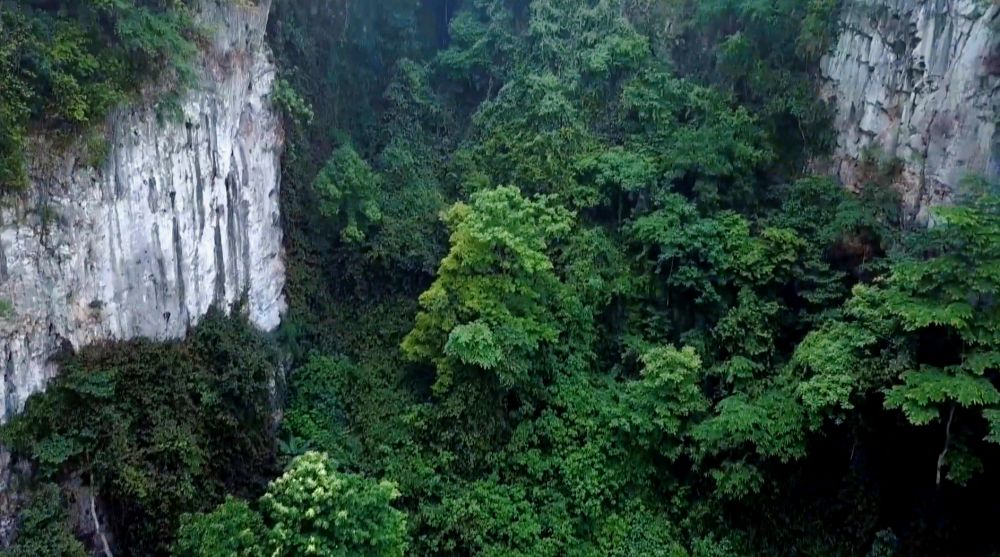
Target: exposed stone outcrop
x,y
183,215
918,80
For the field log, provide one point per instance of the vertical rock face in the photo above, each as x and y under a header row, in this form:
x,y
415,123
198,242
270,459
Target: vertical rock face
x,y
181,216
918,80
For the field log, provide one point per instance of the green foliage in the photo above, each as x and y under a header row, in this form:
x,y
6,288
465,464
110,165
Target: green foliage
x,y
766,54
233,529
310,510
338,54
291,103
933,321
313,509
97,149
315,417
819,28
647,332
587,84
43,527
346,188
884,545
487,309
7,310
696,138
639,531
65,64
952,295
555,274
659,409
162,429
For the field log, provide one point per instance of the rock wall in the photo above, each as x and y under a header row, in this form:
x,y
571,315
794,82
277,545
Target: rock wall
x,y
918,80
183,215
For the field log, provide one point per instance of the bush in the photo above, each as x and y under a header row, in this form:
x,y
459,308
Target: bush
x,y
43,527
164,428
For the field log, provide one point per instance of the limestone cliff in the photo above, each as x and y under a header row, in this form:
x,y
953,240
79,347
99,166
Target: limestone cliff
x,y
181,216
918,80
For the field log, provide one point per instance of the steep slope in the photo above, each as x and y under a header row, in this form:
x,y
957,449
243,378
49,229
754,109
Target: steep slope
x,y
183,215
918,80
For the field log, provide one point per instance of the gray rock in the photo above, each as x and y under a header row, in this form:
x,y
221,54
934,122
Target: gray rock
x,y
183,215
919,80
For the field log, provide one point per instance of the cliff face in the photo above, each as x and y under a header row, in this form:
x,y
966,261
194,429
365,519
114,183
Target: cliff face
x,y
183,215
919,80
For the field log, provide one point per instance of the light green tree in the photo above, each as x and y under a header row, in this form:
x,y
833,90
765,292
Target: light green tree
x,y
951,302
311,510
233,529
495,300
927,335
315,510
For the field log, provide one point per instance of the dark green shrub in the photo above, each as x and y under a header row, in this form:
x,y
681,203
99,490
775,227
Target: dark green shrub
x,y
163,428
43,527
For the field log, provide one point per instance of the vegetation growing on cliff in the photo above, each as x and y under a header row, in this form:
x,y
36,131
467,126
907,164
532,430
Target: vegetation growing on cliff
x,y
64,64
155,430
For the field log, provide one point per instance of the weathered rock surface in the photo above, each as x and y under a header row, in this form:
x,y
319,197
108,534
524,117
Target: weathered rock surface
x,y
183,215
918,80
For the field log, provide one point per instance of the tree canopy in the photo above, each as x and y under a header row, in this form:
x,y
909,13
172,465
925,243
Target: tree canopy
x,y
562,282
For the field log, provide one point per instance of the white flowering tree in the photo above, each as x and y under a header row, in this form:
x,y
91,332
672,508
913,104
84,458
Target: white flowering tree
x,y
311,510
315,510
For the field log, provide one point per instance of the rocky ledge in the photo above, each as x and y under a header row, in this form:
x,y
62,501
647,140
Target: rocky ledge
x,y
183,215
917,81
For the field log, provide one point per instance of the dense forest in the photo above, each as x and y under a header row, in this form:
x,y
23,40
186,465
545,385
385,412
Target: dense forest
x,y
564,279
